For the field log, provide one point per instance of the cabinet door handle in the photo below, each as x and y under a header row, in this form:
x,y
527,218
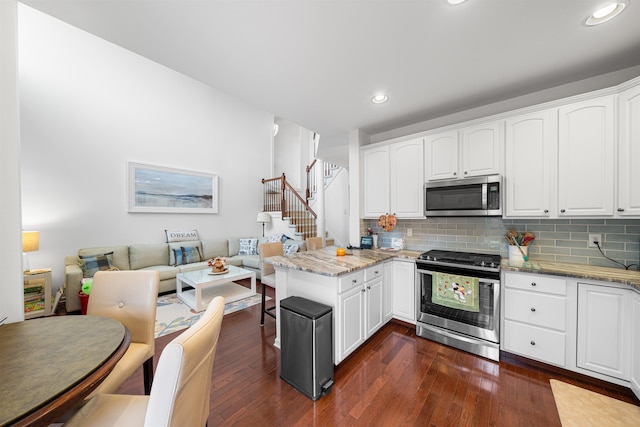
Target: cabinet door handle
x,y
562,211
375,272
533,309
465,172
620,209
533,283
455,173
369,287
364,290
354,281
546,211
533,342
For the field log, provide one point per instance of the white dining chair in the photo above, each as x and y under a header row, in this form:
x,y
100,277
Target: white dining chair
x,y
181,392
131,298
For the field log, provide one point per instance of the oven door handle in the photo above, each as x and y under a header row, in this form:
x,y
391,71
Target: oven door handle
x,y
480,279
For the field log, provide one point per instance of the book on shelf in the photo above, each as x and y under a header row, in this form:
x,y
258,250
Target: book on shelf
x,y
33,306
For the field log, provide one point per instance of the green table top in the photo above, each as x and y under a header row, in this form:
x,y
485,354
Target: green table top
x,y
41,359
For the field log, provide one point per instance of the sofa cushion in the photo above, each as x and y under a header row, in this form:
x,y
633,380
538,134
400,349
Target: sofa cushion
x,y
120,254
248,247
91,264
238,260
251,261
179,246
147,255
212,248
166,271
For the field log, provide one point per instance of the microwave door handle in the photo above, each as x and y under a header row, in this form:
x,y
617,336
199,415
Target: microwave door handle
x,y
484,196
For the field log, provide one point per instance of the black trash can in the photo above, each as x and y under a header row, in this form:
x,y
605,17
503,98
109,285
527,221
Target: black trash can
x,y
306,346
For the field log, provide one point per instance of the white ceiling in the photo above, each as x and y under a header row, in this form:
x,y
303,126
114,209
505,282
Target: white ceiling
x,y
318,63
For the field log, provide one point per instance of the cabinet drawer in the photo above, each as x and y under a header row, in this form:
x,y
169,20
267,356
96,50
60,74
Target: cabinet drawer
x,y
371,273
350,281
534,342
531,282
538,309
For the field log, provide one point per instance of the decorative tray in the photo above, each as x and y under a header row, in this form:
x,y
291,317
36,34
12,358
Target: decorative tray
x,y
215,273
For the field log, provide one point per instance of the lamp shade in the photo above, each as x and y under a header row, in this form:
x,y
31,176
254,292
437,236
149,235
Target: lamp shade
x,y
30,241
263,217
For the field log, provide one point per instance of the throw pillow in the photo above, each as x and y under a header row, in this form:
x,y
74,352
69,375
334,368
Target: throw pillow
x,y
275,238
181,236
248,247
191,254
177,256
90,264
289,249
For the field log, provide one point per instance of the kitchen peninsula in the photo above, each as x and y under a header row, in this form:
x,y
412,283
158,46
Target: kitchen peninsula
x,y
357,286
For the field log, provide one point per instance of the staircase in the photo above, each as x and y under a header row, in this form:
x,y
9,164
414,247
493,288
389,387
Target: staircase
x,y
280,196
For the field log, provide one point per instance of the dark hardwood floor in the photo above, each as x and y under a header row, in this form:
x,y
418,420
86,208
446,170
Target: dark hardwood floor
x,y
394,379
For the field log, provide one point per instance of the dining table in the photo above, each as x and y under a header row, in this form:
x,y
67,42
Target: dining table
x,y
50,365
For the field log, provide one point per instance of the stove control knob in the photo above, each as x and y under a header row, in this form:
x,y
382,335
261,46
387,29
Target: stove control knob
x,y
482,263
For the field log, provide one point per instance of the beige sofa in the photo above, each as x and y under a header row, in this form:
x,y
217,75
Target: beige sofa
x,y
161,257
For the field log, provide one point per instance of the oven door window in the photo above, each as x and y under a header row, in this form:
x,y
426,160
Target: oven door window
x,y
485,318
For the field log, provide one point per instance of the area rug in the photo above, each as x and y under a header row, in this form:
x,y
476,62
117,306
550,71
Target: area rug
x,y
173,315
580,407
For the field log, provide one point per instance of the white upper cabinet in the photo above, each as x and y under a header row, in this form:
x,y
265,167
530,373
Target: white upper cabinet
x,y
393,179
482,148
629,152
407,178
441,156
474,151
376,181
530,164
586,157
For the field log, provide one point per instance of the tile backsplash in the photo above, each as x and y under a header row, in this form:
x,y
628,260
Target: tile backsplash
x,y
561,240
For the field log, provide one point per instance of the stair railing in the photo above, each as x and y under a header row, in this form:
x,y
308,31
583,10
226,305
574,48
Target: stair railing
x,y
279,195
311,177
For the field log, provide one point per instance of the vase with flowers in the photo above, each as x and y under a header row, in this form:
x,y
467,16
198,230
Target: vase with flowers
x,y
217,264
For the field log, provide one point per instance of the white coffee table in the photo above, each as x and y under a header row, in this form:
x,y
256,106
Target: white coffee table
x,y
207,285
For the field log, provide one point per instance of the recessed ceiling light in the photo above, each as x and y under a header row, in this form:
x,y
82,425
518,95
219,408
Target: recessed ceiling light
x,y
606,12
380,99
455,1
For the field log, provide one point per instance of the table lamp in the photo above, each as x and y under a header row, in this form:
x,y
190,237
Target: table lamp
x,y
263,217
30,243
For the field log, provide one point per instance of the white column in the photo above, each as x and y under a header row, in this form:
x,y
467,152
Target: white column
x,y
11,284
319,207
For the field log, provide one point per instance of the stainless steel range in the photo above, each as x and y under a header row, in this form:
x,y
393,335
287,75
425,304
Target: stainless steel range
x,y
459,301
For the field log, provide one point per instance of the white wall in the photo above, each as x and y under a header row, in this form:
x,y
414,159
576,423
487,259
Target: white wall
x,y
88,107
337,207
11,303
293,152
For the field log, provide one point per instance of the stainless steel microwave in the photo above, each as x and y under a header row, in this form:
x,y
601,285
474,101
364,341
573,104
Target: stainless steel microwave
x,y
479,196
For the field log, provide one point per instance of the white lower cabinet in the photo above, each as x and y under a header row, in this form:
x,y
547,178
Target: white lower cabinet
x,y
373,306
351,321
635,346
404,290
387,300
604,330
535,317
361,308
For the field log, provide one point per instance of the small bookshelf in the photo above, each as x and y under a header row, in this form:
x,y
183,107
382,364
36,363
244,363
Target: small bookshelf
x,y
37,293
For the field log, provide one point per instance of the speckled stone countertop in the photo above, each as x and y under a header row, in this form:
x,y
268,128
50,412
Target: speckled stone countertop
x,y
580,271
325,261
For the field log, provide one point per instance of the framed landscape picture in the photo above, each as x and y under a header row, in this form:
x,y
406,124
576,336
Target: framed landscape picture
x,y
167,190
